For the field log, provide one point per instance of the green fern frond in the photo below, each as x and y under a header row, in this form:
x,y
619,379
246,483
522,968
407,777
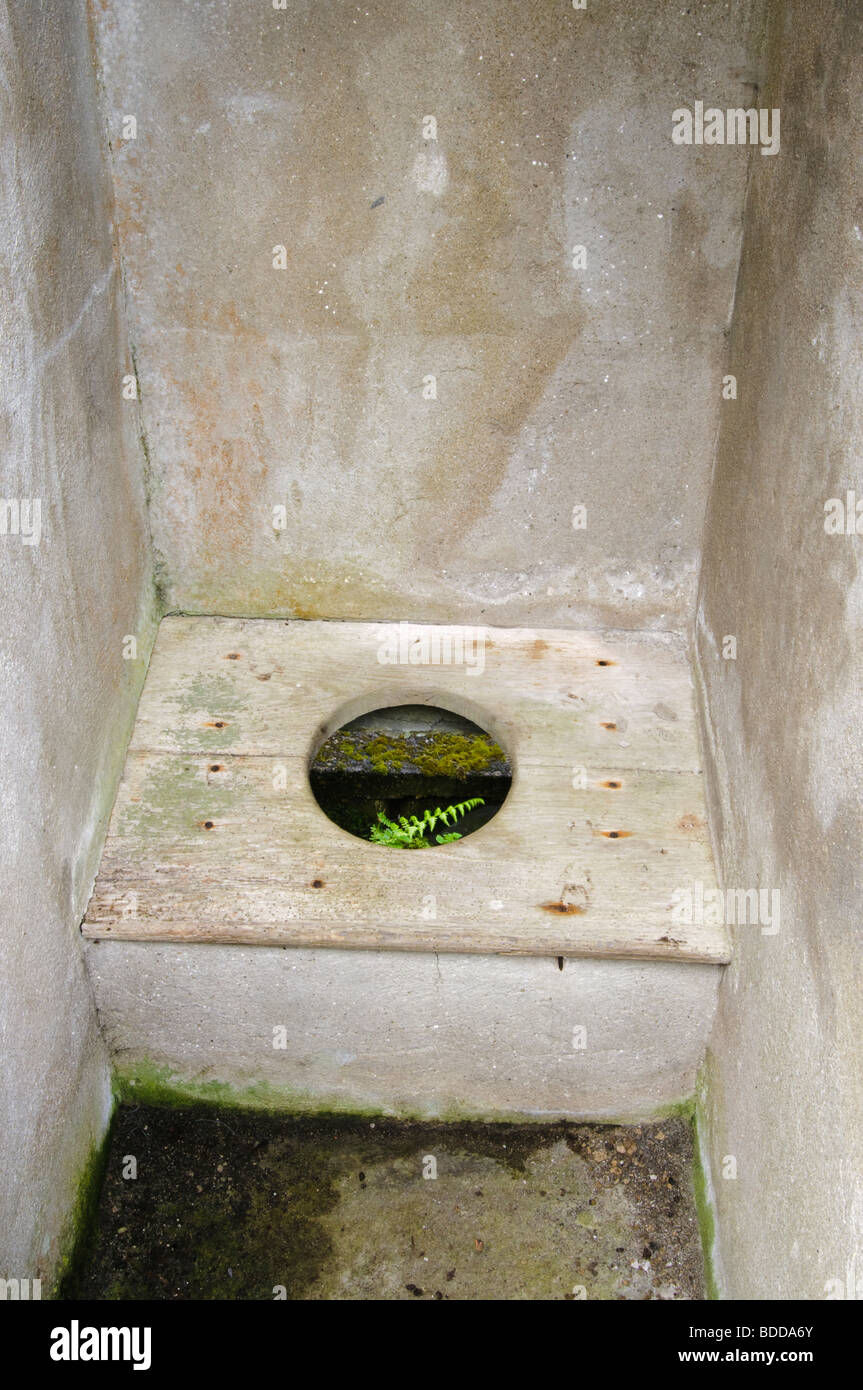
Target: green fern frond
x,y
410,833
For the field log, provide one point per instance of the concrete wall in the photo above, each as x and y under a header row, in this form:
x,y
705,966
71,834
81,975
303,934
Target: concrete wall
x,y
409,257
408,1033
70,590
782,1091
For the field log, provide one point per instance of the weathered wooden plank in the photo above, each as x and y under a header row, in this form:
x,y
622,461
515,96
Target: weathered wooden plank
x,y
257,686
216,836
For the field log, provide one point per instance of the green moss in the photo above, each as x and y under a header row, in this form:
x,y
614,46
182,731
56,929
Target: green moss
x,y
148,1084
145,1083
452,755
343,746
677,1110
705,1214
76,1243
704,1195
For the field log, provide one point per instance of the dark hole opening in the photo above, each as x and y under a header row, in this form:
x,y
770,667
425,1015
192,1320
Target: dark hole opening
x,y
404,762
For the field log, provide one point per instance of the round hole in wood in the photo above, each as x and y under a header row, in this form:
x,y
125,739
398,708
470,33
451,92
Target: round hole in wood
x,y
386,775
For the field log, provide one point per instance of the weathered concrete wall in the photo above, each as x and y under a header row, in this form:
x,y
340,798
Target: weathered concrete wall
x,y
782,1086
408,1033
71,588
407,258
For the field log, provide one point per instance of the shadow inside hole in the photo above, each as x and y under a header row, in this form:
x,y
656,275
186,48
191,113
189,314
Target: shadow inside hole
x,y
406,760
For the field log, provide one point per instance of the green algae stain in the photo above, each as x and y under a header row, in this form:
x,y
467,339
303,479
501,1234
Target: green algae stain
x,y
704,1199
148,1084
80,1226
210,705
706,1220
218,1210
175,796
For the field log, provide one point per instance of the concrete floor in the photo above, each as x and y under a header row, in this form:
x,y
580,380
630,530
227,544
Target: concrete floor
x,y
234,1205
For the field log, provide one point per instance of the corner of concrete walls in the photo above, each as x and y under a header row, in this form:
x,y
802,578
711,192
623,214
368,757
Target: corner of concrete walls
x,y
779,1104
258,391
706,1099
703,648
70,603
81,1157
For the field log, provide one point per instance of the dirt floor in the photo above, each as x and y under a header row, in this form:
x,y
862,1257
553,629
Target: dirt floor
x,y
214,1204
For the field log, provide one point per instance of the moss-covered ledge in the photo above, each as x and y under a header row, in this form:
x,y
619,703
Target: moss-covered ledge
x,y
454,756
360,772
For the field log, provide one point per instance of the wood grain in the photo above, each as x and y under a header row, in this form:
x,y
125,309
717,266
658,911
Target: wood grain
x,y
216,836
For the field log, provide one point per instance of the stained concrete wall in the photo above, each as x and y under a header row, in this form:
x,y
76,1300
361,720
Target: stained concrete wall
x,y
782,1095
408,257
72,587
403,1032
